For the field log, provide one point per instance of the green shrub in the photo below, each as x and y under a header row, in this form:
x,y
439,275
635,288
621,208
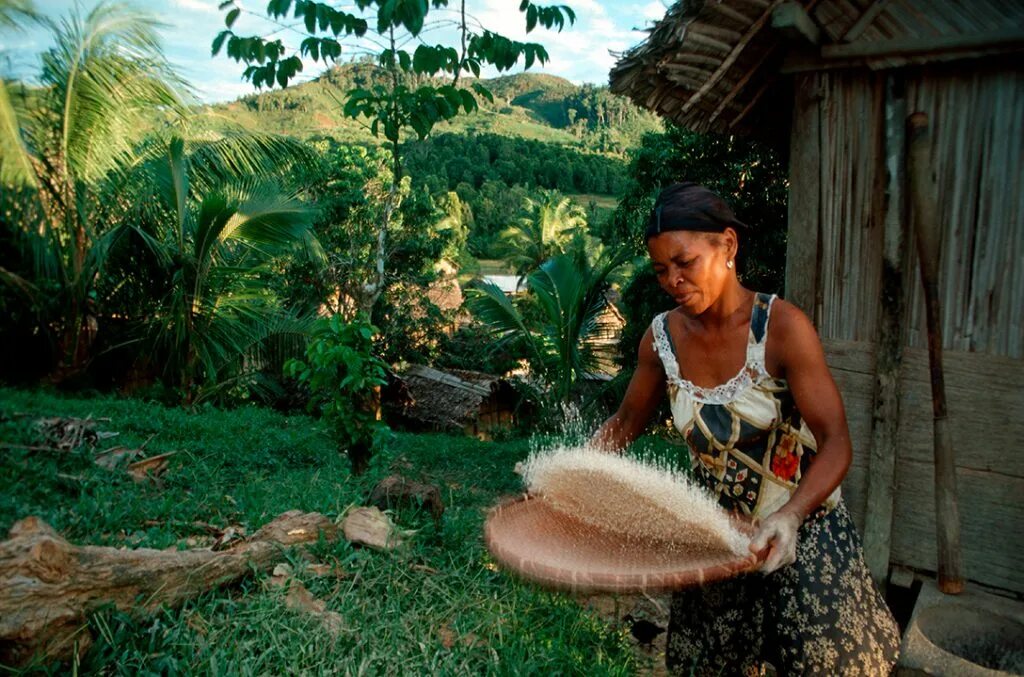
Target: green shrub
x,y
344,377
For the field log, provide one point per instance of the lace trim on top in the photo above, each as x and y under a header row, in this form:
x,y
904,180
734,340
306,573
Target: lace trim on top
x,y
752,371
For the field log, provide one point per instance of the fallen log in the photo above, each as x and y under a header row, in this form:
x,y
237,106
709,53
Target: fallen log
x,y
48,586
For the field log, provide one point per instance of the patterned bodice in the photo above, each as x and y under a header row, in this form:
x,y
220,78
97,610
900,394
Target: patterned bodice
x,y
748,443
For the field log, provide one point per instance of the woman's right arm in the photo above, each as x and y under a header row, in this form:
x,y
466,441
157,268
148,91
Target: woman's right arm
x,y
646,388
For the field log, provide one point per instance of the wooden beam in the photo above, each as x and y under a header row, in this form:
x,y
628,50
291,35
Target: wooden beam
x,y
865,20
708,41
727,99
726,10
768,82
1011,36
700,59
889,341
686,69
804,194
792,20
731,59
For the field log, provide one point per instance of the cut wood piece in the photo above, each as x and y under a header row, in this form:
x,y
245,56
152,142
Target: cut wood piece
x,y
372,528
299,598
149,468
69,433
49,586
395,491
113,457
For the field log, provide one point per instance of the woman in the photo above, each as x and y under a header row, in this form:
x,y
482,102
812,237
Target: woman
x,y
768,436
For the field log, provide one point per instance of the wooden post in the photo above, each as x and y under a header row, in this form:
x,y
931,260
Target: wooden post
x,y
889,342
802,261
926,231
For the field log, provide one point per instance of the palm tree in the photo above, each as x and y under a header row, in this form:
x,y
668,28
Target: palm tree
x,y
210,313
570,293
545,229
102,79
84,183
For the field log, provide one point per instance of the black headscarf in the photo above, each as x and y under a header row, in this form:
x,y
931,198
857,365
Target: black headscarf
x,y
689,206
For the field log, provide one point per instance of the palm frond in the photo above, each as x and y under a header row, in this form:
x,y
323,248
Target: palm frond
x,y
15,160
14,12
105,75
489,304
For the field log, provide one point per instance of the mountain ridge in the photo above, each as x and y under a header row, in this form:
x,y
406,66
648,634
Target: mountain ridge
x,y
535,106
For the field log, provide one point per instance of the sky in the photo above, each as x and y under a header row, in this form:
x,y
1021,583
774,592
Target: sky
x,y
581,53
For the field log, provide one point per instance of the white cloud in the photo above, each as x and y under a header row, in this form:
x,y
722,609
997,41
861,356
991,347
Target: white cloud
x,y
654,10
203,6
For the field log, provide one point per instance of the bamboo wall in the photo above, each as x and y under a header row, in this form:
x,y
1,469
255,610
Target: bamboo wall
x,y
834,271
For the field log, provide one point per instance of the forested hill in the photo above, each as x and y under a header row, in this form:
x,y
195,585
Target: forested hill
x,y
530,106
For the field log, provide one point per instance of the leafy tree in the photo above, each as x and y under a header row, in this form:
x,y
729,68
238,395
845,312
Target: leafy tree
x,y
344,377
546,228
102,227
420,88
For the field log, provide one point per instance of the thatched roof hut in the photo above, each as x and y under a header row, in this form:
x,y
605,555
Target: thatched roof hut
x,y
838,79
425,398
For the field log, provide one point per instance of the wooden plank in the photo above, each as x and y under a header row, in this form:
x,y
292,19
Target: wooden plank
x,y
731,59
985,404
992,514
1012,37
726,10
885,416
804,195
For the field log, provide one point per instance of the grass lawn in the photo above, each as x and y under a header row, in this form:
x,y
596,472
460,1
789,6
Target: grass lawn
x,y
438,606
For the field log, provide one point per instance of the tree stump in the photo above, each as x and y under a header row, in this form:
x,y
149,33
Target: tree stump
x,y
49,586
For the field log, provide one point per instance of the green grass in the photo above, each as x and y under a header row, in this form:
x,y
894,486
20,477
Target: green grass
x,y
248,465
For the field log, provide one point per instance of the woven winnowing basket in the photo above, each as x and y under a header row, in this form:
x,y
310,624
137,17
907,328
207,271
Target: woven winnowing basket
x,y
531,538
599,522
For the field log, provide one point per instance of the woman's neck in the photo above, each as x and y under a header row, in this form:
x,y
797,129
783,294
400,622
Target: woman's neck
x,y
720,315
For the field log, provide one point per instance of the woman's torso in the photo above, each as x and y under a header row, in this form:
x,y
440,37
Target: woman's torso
x,y
748,443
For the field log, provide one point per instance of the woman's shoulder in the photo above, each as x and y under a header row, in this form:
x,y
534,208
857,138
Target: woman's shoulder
x,y
792,332
787,318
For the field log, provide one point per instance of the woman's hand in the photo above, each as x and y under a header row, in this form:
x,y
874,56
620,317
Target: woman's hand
x,y
778,530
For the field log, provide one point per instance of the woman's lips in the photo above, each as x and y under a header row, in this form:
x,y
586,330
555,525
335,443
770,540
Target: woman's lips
x,y
684,297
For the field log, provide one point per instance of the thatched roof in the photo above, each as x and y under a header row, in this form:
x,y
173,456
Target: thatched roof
x,y
448,399
717,65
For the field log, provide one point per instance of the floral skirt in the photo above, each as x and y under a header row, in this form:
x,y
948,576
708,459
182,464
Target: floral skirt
x,y
821,615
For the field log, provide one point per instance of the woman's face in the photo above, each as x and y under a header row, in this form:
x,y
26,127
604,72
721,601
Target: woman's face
x,y
691,266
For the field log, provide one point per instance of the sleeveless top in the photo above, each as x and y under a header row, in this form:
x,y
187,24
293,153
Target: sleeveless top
x,y
748,443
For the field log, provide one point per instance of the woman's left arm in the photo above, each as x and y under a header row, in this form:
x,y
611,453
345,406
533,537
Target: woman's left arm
x,y
820,404
817,397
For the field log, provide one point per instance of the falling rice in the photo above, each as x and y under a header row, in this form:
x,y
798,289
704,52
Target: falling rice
x,y
639,500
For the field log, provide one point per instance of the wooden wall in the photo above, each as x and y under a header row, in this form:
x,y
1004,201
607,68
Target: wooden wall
x,y
837,204
838,210
987,412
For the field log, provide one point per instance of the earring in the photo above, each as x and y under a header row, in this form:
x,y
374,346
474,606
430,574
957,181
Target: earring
x,y
728,264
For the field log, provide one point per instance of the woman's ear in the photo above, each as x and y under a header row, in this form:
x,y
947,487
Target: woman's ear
x,y
731,241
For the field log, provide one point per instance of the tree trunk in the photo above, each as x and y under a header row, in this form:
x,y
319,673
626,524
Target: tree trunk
x,y
48,586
